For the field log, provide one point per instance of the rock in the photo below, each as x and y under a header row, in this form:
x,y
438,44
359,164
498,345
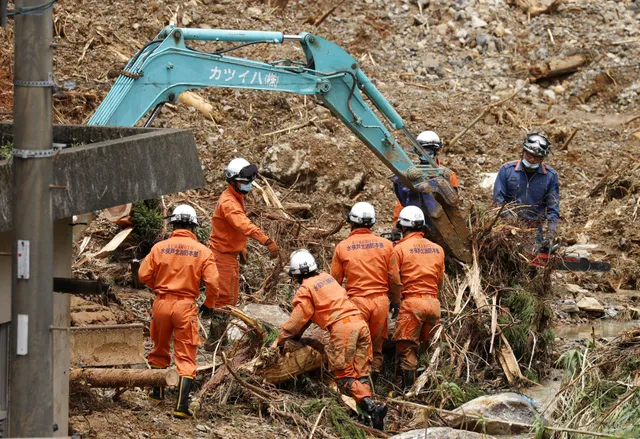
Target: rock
x,y
569,306
442,29
610,313
462,34
267,314
549,95
254,12
506,407
477,22
482,40
284,164
590,305
558,89
440,433
572,289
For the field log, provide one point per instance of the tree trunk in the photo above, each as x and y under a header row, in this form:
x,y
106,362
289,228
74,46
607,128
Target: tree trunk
x,y
113,378
300,357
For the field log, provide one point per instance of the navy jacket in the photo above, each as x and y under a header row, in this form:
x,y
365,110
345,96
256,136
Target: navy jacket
x,y
541,192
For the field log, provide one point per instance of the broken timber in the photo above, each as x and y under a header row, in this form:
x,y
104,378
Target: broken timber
x,y
557,66
114,378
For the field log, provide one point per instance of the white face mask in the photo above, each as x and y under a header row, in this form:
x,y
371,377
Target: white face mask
x,y
245,188
530,165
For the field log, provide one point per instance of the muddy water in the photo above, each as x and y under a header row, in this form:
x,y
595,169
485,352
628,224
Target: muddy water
x,y
545,393
602,329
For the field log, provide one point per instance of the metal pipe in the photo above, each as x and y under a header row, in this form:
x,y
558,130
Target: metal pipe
x,y
238,36
31,384
379,101
155,113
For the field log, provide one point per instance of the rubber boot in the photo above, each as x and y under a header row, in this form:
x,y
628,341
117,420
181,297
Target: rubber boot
x,y
373,379
182,408
216,330
376,412
156,396
408,378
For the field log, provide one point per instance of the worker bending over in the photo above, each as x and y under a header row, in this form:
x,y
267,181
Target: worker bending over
x,y
230,228
421,264
371,271
321,300
173,270
432,145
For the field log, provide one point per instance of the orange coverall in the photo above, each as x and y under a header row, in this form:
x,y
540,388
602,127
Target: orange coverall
x,y
230,228
453,181
371,270
421,265
321,300
173,270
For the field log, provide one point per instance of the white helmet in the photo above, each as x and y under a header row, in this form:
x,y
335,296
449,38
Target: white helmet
x,y
184,214
362,213
430,140
302,262
241,170
411,216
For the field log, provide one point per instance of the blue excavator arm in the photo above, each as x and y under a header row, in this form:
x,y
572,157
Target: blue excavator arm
x,y
166,67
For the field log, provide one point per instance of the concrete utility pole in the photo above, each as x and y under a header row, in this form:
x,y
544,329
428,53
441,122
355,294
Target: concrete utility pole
x,y
31,377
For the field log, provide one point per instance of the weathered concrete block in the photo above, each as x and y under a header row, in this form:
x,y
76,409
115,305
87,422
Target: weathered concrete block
x,y
114,166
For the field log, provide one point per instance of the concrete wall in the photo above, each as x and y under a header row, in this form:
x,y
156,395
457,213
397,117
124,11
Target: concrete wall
x,y
109,173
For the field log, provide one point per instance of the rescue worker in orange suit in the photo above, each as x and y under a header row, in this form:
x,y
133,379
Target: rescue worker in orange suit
x,y
321,300
230,229
371,271
173,270
432,145
421,264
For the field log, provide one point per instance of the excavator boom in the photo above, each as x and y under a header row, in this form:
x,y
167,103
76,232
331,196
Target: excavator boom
x,y
166,67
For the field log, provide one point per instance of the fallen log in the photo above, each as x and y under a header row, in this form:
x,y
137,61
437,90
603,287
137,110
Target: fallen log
x,y
114,378
557,66
300,357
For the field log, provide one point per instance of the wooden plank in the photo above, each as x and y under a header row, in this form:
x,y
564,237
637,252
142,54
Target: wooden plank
x,y
107,345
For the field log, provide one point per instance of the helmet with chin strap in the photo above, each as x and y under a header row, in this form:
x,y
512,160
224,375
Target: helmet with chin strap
x,y
241,170
537,145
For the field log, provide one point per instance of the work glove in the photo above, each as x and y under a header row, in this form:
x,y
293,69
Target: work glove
x,y
548,244
395,310
205,311
274,250
244,256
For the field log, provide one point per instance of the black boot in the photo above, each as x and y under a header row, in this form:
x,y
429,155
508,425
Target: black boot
x,y
156,395
216,330
376,412
182,408
408,378
374,375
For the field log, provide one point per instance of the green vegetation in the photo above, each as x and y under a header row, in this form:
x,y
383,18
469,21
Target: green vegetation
x,y
342,423
5,151
147,220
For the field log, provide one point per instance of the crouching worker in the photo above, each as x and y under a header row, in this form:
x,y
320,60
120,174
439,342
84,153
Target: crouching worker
x,y
173,270
421,264
321,300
